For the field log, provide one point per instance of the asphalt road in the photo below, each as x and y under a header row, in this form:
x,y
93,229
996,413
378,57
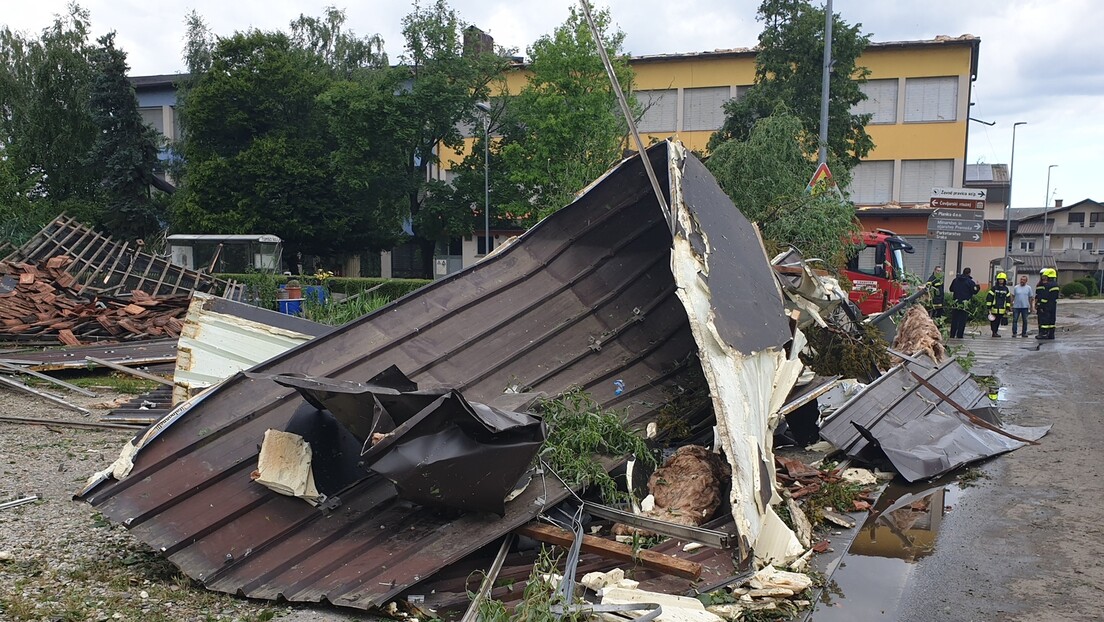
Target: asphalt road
x,y
1027,542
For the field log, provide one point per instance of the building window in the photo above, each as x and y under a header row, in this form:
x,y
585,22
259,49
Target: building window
x,y
1076,218
703,108
742,91
1086,246
1027,245
930,100
481,244
881,101
872,182
660,110
1094,218
918,177
153,116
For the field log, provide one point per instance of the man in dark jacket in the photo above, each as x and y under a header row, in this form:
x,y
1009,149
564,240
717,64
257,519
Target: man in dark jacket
x,y
1046,302
963,289
935,291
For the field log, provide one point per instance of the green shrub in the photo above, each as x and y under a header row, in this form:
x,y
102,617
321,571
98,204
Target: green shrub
x,y
1090,284
391,289
1074,288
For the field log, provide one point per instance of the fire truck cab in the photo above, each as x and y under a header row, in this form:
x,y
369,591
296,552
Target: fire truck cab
x,y
876,271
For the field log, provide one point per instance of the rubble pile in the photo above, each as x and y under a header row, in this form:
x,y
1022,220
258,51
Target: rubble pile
x,y
918,334
44,303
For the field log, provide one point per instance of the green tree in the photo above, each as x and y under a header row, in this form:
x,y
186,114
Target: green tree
x,y
45,126
442,81
560,132
259,150
766,176
125,149
789,68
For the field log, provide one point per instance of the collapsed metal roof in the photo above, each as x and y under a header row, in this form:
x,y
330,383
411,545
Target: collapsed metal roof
x,y
925,420
585,298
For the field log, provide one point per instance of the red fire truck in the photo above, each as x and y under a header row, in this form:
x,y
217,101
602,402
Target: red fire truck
x,y
877,271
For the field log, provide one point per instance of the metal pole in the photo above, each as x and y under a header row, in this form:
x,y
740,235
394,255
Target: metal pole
x,y
824,80
1008,204
486,183
1046,210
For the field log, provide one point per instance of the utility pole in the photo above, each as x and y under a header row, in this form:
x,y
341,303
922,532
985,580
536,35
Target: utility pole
x,y
827,74
1008,203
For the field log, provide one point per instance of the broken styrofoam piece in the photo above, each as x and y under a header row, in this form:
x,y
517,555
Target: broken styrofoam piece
x,y
771,592
777,543
284,466
690,547
862,477
770,577
602,581
821,446
675,608
647,504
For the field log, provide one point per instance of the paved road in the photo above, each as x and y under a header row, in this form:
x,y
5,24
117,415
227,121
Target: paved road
x,y
1028,543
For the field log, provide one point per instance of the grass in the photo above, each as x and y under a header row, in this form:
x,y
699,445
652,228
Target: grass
x,y
118,382
970,477
579,430
336,313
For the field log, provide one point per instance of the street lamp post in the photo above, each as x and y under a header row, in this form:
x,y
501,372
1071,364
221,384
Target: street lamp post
x,y
1046,210
486,109
1008,204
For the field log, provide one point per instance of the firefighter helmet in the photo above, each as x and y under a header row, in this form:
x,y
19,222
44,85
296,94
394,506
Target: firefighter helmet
x,y
1002,276
1049,273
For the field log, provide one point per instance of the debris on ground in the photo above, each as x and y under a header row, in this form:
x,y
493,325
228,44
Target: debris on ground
x,y
687,490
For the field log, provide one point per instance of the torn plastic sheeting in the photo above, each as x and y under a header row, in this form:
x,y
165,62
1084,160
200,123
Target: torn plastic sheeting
x,y
922,435
734,304
436,447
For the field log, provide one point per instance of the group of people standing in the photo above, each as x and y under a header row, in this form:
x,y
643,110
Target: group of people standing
x,y
1000,302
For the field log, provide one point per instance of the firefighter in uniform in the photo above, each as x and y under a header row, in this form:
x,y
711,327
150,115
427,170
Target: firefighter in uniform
x,y
1046,302
935,290
999,303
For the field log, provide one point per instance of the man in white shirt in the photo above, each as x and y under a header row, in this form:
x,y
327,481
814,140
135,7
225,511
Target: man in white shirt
x,y
1023,302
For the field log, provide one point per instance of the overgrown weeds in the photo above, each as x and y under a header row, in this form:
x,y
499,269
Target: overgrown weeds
x,y
580,430
337,312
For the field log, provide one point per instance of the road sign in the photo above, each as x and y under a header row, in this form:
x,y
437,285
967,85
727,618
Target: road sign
x,y
973,204
969,194
954,236
952,224
959,214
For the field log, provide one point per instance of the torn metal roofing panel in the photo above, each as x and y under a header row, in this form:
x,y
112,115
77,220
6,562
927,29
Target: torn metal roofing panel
x,y
585,298
221,337
922,433
103,265
144,353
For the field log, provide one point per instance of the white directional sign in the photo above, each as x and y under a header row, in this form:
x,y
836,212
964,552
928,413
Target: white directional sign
x,y
954,236
969,194
958,214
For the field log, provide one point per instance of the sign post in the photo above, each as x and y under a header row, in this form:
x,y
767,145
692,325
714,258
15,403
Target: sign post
x,y
959,214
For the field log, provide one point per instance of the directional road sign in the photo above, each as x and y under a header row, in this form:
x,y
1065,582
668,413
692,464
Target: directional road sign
x,y
958,214
969,194
973,204
954,236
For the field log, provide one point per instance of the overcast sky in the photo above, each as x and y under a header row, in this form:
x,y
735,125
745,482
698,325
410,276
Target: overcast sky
x,y
1039,61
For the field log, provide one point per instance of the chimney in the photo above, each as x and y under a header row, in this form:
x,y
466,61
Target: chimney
x,y
1057,203
477,42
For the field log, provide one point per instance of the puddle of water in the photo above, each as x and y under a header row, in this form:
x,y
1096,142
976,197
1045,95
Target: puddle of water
x,y
900,530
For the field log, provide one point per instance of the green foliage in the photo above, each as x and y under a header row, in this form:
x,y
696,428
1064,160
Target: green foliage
x,y
261,288
766,175
579,431
564,128
1074,288
390,288
337,312
836,352
835,493
125,147
788,69
1091,285
537,600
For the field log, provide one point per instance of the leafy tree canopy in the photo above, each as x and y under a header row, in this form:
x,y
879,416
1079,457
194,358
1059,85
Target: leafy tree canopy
x,y
788,69
766,175
561,131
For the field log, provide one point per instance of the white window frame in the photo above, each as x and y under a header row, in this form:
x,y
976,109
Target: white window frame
x,y
1027,245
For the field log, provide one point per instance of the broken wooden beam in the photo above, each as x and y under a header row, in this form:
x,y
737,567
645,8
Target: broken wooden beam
x,y
127,370
651,560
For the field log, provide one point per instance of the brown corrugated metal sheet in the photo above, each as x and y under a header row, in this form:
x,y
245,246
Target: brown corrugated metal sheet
x,y
585,298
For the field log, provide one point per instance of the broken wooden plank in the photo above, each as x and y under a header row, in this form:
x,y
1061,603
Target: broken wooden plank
x,y
651,560
127,370
19,386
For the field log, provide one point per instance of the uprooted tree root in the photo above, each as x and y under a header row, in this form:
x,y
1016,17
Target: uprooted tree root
x,y
833,351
